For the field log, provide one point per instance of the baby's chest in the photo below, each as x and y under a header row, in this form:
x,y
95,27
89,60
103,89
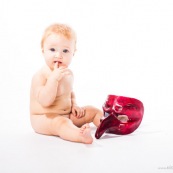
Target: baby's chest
x,y
65,85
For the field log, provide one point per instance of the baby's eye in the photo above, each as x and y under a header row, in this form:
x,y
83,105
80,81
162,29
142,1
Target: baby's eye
x,y
52,49
65,51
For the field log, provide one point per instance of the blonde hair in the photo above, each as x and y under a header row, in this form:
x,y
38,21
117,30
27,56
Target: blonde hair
x,y
61,29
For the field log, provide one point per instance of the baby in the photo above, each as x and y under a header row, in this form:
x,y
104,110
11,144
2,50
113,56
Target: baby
x,y
53,106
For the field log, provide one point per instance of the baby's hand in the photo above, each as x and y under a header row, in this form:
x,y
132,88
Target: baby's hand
x,y
78,112
59,72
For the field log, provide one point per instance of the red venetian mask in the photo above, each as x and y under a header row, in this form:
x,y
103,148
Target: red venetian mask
x,y
123,116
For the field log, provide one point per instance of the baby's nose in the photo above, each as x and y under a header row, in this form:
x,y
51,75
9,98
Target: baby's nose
x,y
58,55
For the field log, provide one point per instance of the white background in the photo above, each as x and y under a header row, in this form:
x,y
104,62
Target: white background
x,y
123,48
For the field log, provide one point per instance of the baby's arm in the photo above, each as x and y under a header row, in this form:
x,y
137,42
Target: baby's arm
x,y
76,110
73,99
45,90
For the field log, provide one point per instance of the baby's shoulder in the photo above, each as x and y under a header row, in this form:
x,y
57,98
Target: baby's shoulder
x,y
41,74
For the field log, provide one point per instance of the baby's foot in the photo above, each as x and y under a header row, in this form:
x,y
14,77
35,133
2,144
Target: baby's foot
x,y
85,133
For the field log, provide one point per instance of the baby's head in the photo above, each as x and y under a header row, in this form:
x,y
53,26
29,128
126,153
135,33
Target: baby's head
x,y
59,29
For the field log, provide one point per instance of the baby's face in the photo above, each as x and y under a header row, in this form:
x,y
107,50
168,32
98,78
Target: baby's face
x,y
59,49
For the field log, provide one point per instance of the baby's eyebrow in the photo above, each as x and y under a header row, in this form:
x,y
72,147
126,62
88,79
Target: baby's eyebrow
x,y
66,47
51,46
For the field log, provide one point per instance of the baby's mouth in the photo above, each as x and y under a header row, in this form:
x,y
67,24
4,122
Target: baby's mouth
x,y
59,63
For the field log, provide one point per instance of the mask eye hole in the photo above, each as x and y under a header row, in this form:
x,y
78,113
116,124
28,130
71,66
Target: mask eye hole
x,y
106,114
118,108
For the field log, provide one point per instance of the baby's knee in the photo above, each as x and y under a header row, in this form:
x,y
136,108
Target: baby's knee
x,y
93,110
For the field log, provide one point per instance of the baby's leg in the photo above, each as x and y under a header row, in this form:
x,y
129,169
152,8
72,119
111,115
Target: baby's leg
x,y
92,114
62,127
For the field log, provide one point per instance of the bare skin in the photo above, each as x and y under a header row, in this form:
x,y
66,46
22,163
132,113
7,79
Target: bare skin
x,y
53,106
85,134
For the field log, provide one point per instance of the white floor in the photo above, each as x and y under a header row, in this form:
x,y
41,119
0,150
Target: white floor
x,y
148,149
